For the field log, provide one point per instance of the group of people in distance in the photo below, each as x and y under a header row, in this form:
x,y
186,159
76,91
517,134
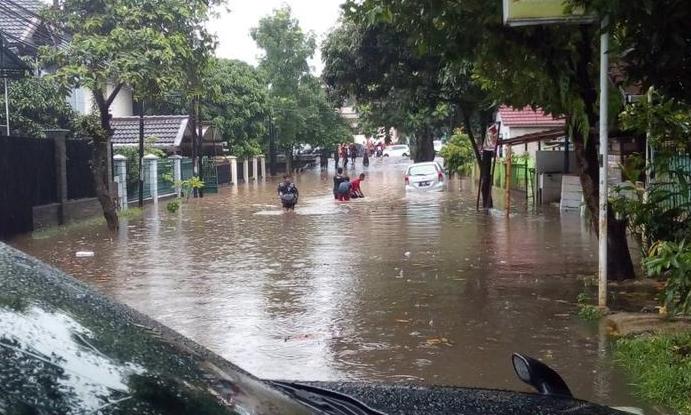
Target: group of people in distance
x,y
346,152
344,189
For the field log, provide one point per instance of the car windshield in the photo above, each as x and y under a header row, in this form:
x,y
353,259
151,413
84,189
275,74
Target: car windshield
x,y
398,147
422,170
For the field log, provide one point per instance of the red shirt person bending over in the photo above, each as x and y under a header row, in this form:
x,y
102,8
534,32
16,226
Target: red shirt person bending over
x,y
355,190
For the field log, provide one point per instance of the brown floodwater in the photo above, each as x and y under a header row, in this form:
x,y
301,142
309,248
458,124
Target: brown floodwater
x,y
395,287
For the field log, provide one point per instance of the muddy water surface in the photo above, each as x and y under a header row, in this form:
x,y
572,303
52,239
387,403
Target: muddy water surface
x,y
395,287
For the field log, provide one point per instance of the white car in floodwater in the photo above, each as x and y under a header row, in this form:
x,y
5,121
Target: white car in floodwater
x,y
425,176
397,150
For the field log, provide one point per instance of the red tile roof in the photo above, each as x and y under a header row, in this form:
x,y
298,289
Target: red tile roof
x,y
526,117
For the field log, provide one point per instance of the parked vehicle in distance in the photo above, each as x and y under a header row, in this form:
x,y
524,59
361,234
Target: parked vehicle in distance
x,y
438,145
397,150
425,176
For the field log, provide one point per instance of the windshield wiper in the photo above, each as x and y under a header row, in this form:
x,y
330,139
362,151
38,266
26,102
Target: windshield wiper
x,y
324,400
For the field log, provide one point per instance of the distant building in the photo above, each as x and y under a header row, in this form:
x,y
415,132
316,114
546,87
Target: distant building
x,y
520,122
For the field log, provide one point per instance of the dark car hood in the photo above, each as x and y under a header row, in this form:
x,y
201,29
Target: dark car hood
x,y
67,349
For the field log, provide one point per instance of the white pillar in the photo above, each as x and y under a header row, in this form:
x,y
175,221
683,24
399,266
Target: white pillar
x,y
255,168
604,156
121,179
177,173
246,170
233,170
152,162
262,163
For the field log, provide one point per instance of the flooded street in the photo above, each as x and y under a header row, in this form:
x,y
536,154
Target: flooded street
x,y
394,287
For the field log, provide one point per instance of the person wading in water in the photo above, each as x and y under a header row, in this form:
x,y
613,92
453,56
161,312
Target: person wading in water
x,y
339,178
355,190
288,193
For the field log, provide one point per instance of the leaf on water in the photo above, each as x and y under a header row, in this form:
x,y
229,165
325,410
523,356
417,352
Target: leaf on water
x,y
438,341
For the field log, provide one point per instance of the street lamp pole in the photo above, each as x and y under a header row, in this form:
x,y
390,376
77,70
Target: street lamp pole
x,y
141,152
604,154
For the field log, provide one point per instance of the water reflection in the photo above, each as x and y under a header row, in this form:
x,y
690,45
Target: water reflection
x,y
394,287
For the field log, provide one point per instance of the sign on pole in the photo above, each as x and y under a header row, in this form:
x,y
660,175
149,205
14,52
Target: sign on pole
x,y
534,12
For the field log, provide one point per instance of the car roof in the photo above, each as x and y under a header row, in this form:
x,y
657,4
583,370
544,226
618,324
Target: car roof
x,y
424,163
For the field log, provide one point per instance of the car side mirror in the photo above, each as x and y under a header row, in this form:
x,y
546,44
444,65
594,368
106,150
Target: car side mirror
x,y
540,376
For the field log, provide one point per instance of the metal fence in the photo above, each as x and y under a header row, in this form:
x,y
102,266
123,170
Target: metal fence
x,y
679,189
166,181
187,169
27,169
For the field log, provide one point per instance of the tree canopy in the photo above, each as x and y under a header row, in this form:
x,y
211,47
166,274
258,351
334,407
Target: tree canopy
x,y
298,104
36,104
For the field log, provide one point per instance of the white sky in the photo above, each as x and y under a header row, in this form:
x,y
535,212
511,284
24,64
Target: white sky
x,y
233,28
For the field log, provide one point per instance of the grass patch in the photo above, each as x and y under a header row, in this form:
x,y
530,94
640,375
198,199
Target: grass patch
x,y
47,233
131,213
660,366
587,311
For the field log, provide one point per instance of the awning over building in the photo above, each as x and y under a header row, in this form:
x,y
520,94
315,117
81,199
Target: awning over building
x,y
549,135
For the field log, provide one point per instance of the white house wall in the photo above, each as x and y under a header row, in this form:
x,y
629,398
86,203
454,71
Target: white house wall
x,y
122,105
82,101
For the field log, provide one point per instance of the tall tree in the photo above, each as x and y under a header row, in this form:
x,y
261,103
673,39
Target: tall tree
x,y
299,106
120,43
401,77
286,51
375,64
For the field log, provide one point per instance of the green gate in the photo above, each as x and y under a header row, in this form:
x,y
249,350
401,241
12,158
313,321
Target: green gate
x,y
210,176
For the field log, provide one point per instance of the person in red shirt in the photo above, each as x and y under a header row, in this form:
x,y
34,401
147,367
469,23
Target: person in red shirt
x,y
355,190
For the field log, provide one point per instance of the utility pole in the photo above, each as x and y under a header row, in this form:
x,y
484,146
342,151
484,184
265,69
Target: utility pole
x,y
7,108
604,155
141,152
200,135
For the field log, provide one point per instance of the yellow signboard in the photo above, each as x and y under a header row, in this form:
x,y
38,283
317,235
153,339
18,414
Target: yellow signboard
x,y
534,12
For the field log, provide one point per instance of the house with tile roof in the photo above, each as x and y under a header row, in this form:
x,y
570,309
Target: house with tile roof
x,y
22,26
518,122
526,121
170,133
25,31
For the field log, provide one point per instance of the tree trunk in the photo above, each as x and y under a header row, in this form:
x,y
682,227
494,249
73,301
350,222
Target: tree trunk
x,y
485,179
619,264
424,147
99,167
484,163
289,161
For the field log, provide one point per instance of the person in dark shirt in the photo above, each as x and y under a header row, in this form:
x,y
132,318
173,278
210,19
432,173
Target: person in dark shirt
x,y
288,193
355,190
338,179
